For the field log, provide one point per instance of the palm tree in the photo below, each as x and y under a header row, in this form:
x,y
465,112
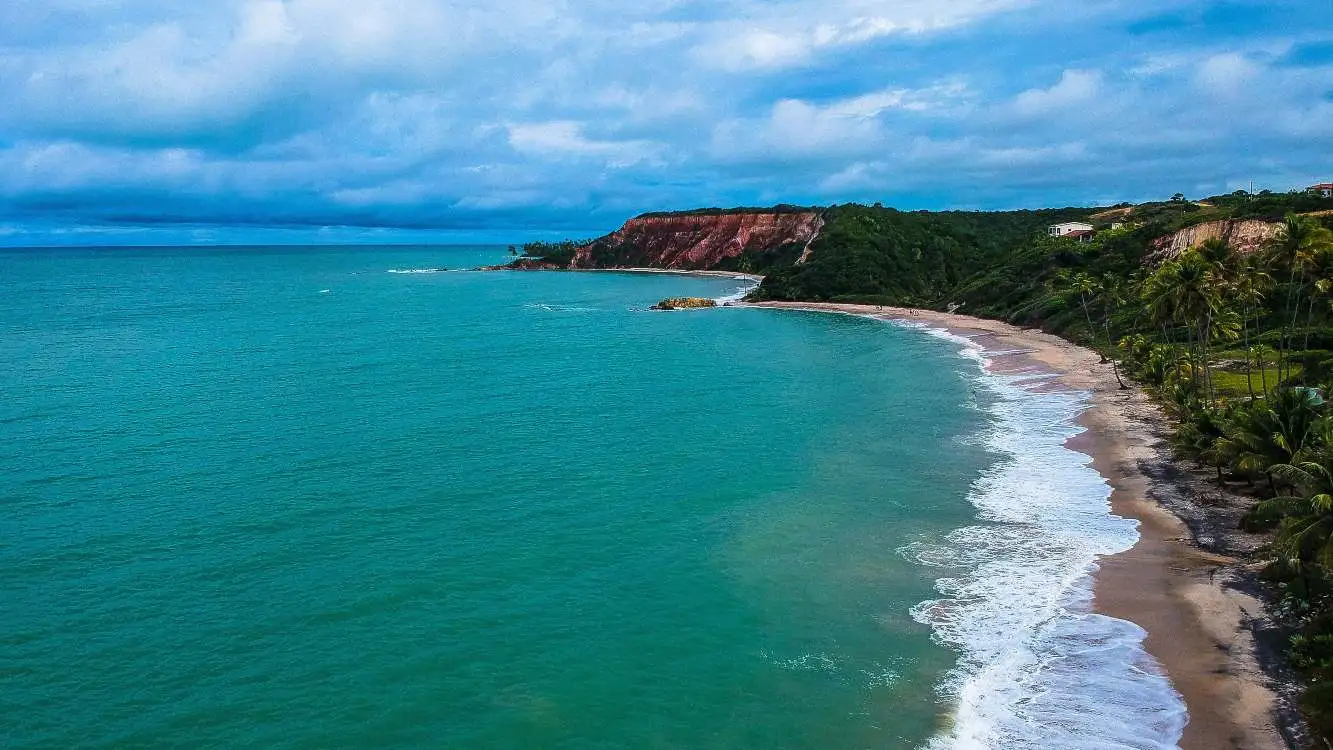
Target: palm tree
x,y
1201,434
1249,282
1261,354
1306,530
1159,300
1294,247
1217,252
1272,431
1087,290
1188,287
1111,298
1320,270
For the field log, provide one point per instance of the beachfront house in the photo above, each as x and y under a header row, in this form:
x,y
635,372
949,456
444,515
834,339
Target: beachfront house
x,y
1323,189
1069,227
1074,230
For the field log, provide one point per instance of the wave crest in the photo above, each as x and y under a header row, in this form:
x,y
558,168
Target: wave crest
x,y
740,293
1038,668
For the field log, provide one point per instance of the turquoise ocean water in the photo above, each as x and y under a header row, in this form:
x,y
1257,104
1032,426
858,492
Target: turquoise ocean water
x,y
303,498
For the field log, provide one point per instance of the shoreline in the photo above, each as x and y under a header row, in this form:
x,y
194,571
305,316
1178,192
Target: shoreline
x,y
756,278
1181,581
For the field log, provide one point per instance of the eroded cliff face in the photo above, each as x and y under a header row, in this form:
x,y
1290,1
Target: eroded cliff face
x,y
701,242
1245,236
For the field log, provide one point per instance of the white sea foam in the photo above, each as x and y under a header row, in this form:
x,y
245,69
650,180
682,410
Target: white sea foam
x,y
1038,668
740,292
418,270
558,308
876,676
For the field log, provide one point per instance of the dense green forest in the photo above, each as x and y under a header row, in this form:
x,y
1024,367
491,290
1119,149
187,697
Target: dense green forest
x,y
881,255
557,253
781,208
1237,346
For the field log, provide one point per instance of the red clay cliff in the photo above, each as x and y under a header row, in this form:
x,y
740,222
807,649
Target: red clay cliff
x,y
700,241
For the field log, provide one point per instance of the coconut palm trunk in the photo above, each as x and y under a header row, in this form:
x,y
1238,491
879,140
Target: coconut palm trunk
x,y
1249,356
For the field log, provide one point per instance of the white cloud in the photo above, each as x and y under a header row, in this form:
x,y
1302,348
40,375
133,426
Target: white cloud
x,y
1226,75
912,100
193,73
430,108
66,165
757,49
839,128
564,138
794,128
769,39
1076,87
1053,156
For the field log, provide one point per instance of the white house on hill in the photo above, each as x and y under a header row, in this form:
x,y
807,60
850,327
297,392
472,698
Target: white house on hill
x,y
1323,189
1068,228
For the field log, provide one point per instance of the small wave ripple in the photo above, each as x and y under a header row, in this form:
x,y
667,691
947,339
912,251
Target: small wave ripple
x,y
741,292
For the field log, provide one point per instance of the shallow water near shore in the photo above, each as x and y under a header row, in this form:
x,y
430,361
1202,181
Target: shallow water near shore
x,y
307,497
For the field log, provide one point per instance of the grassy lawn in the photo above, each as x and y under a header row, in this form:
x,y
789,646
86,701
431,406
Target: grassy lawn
x,y
1233,383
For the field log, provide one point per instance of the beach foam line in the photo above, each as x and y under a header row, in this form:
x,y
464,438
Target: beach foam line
x,y
740,293
558,308
1038,668
419,270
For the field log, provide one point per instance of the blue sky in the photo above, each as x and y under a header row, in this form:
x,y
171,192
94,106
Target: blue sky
x,y
235,121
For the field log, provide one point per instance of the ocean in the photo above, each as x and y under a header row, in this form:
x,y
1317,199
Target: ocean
x,y
361,497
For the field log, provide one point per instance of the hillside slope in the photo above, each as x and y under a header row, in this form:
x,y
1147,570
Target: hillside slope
x,y
1245,235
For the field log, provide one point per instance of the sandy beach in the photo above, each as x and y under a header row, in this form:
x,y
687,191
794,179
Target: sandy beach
x,y
1182,582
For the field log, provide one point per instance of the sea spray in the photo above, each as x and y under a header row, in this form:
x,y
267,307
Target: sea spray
x,y
1038,668
741,291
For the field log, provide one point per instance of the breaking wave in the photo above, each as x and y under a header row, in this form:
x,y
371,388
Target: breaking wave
x,y
558,308
741,292
419,270
1038,668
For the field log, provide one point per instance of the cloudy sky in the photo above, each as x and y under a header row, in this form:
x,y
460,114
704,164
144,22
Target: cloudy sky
x,y
157,121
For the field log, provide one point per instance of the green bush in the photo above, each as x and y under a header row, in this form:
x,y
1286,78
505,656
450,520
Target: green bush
x,y
1318,706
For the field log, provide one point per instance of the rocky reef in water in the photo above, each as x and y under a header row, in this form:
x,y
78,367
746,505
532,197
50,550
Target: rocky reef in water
x,y
684,303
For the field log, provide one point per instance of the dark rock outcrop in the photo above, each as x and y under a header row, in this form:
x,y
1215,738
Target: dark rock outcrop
x,y
684,303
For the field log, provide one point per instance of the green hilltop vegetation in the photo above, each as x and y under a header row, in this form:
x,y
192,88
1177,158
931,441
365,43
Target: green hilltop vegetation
x,y
781,208
558,253
1237,346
